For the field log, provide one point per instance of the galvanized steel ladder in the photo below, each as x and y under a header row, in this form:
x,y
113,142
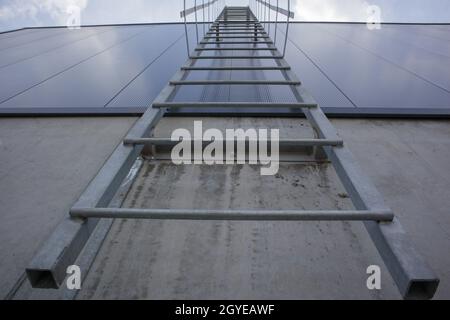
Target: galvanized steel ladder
x,y
235,26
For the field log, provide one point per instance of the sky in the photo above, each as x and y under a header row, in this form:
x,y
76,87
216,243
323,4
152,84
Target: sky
x,y
16,14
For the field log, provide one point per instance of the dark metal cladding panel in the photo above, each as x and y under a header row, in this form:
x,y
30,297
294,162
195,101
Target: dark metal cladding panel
x,y
96,81
30,37
326,92
418,61
33,49
148,83
404,35
25,78
369,80
17,33
345,67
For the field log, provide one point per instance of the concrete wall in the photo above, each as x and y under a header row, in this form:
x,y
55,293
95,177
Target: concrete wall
x,y
45,164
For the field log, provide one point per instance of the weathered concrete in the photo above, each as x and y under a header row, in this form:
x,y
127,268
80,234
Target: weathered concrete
x,y
407,161
226,260
44,166
216,260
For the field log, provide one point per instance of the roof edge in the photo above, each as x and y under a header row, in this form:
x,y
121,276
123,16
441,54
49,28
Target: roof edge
x,y
176,23
332,112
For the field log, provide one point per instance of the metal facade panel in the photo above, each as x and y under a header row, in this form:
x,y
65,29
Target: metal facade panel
x,y
17,79
367,79
417,39
96,81
345,66
418,61
17,33
150,81
30,37
31,50
314,79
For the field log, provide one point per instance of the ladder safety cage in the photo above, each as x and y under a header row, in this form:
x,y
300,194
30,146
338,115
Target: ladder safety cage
x,y
186,12
266,6
413,277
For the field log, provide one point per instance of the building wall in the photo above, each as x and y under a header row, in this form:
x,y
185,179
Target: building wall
x,y
400,69
46,163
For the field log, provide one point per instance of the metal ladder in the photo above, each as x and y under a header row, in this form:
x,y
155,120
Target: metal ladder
x,y
411,274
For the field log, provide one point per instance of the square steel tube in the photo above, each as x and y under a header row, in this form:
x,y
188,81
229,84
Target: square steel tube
x,y
48,267
412,275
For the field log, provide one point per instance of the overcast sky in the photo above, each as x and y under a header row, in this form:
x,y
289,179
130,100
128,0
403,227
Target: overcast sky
x,y
26,13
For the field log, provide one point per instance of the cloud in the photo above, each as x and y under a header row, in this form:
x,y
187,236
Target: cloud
x,y
32,9
331,10
27,13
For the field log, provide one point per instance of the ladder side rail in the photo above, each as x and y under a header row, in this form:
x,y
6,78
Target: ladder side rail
x,y
47,269
412,275
189,11
283,11
186,30
410,272
287,29
196,21
276,24
265,12
203,20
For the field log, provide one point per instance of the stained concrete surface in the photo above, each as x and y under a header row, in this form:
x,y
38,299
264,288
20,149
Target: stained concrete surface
x,y
45,164
296,260
407,161
233,260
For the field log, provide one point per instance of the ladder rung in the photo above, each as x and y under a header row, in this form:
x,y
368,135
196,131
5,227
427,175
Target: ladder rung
x,y
233,104
237,57
229,22
282,142
234,22
240,17
236,42
256,68
237,214
238,49
236,37
238,25
235,29
237,21
235,82
250,32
